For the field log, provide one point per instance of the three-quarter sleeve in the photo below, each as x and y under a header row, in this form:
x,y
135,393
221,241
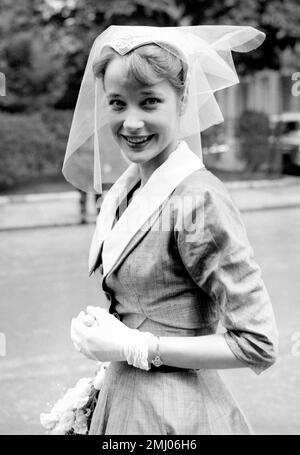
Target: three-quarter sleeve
x,y
214,248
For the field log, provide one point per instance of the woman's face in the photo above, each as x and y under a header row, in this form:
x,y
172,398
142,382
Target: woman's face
x,y
144,119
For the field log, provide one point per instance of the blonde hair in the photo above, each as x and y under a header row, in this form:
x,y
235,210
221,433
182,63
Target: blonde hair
x,y
148,64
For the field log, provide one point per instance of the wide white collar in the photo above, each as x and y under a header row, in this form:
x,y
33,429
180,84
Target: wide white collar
x,y
181,163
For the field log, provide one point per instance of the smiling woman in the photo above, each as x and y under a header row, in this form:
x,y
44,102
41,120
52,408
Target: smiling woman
x,y
174,260
145,95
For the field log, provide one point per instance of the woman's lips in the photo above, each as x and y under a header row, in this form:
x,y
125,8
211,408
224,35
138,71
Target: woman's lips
x,y
137,140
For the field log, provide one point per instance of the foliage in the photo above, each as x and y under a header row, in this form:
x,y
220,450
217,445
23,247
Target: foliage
x,y
279,19
44,46
44,49
45,43
32,145
32,72
253,131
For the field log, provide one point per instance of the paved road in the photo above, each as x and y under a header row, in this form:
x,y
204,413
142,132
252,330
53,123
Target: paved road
x,y
44,282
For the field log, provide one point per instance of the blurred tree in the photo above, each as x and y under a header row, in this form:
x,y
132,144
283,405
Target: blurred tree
x,y
253,130
33,72
81,21
279,19
28,57
44,44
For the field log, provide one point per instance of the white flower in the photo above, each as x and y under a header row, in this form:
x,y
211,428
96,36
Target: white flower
x,y
80,425
67,415
74,398
65,424
62,416
49,421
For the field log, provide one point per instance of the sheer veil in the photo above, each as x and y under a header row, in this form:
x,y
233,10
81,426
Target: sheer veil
x,y
92,156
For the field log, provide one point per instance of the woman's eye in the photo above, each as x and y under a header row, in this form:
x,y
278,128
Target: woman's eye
x,y
116,104
151,101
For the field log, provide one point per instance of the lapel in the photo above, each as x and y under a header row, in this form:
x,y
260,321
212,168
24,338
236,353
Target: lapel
x,y
106,217
138,217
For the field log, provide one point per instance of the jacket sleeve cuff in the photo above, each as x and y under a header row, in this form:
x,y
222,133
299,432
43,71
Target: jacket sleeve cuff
x,y
258,365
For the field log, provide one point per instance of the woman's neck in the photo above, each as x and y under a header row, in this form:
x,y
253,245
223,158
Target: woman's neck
x,y
147,169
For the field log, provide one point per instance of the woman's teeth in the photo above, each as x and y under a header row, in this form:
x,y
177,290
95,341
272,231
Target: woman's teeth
x,y
138,140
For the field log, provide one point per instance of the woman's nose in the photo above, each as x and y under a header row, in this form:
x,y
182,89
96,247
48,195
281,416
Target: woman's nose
x,y
133,123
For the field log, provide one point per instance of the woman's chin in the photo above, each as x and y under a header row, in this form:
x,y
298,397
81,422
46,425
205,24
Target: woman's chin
x,y
137,158
138,155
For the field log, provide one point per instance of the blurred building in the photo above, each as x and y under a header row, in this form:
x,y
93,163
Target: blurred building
x,y
268,91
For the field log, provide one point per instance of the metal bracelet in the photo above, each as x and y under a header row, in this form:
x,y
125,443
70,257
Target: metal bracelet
x,y
157,362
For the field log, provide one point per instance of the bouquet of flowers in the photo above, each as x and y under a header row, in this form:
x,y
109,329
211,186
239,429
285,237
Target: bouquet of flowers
x,y
72,414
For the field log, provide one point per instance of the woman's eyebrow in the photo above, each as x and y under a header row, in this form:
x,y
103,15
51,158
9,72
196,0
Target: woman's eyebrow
x,y
151,92
113,95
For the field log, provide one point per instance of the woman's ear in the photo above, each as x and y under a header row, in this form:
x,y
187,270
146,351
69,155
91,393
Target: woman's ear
x,y
183,103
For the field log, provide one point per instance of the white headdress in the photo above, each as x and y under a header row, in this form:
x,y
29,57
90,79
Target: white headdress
x,y
92,156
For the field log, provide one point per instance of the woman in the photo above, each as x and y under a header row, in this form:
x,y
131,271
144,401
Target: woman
x,y
169,242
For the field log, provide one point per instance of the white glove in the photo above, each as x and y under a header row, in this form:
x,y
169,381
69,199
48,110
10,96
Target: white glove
x,y
108,339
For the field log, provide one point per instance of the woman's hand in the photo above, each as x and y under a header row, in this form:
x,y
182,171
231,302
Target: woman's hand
x,y
99,335
106,339
78,326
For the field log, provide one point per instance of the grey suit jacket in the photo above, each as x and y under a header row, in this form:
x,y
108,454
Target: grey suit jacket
x,y
193,267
